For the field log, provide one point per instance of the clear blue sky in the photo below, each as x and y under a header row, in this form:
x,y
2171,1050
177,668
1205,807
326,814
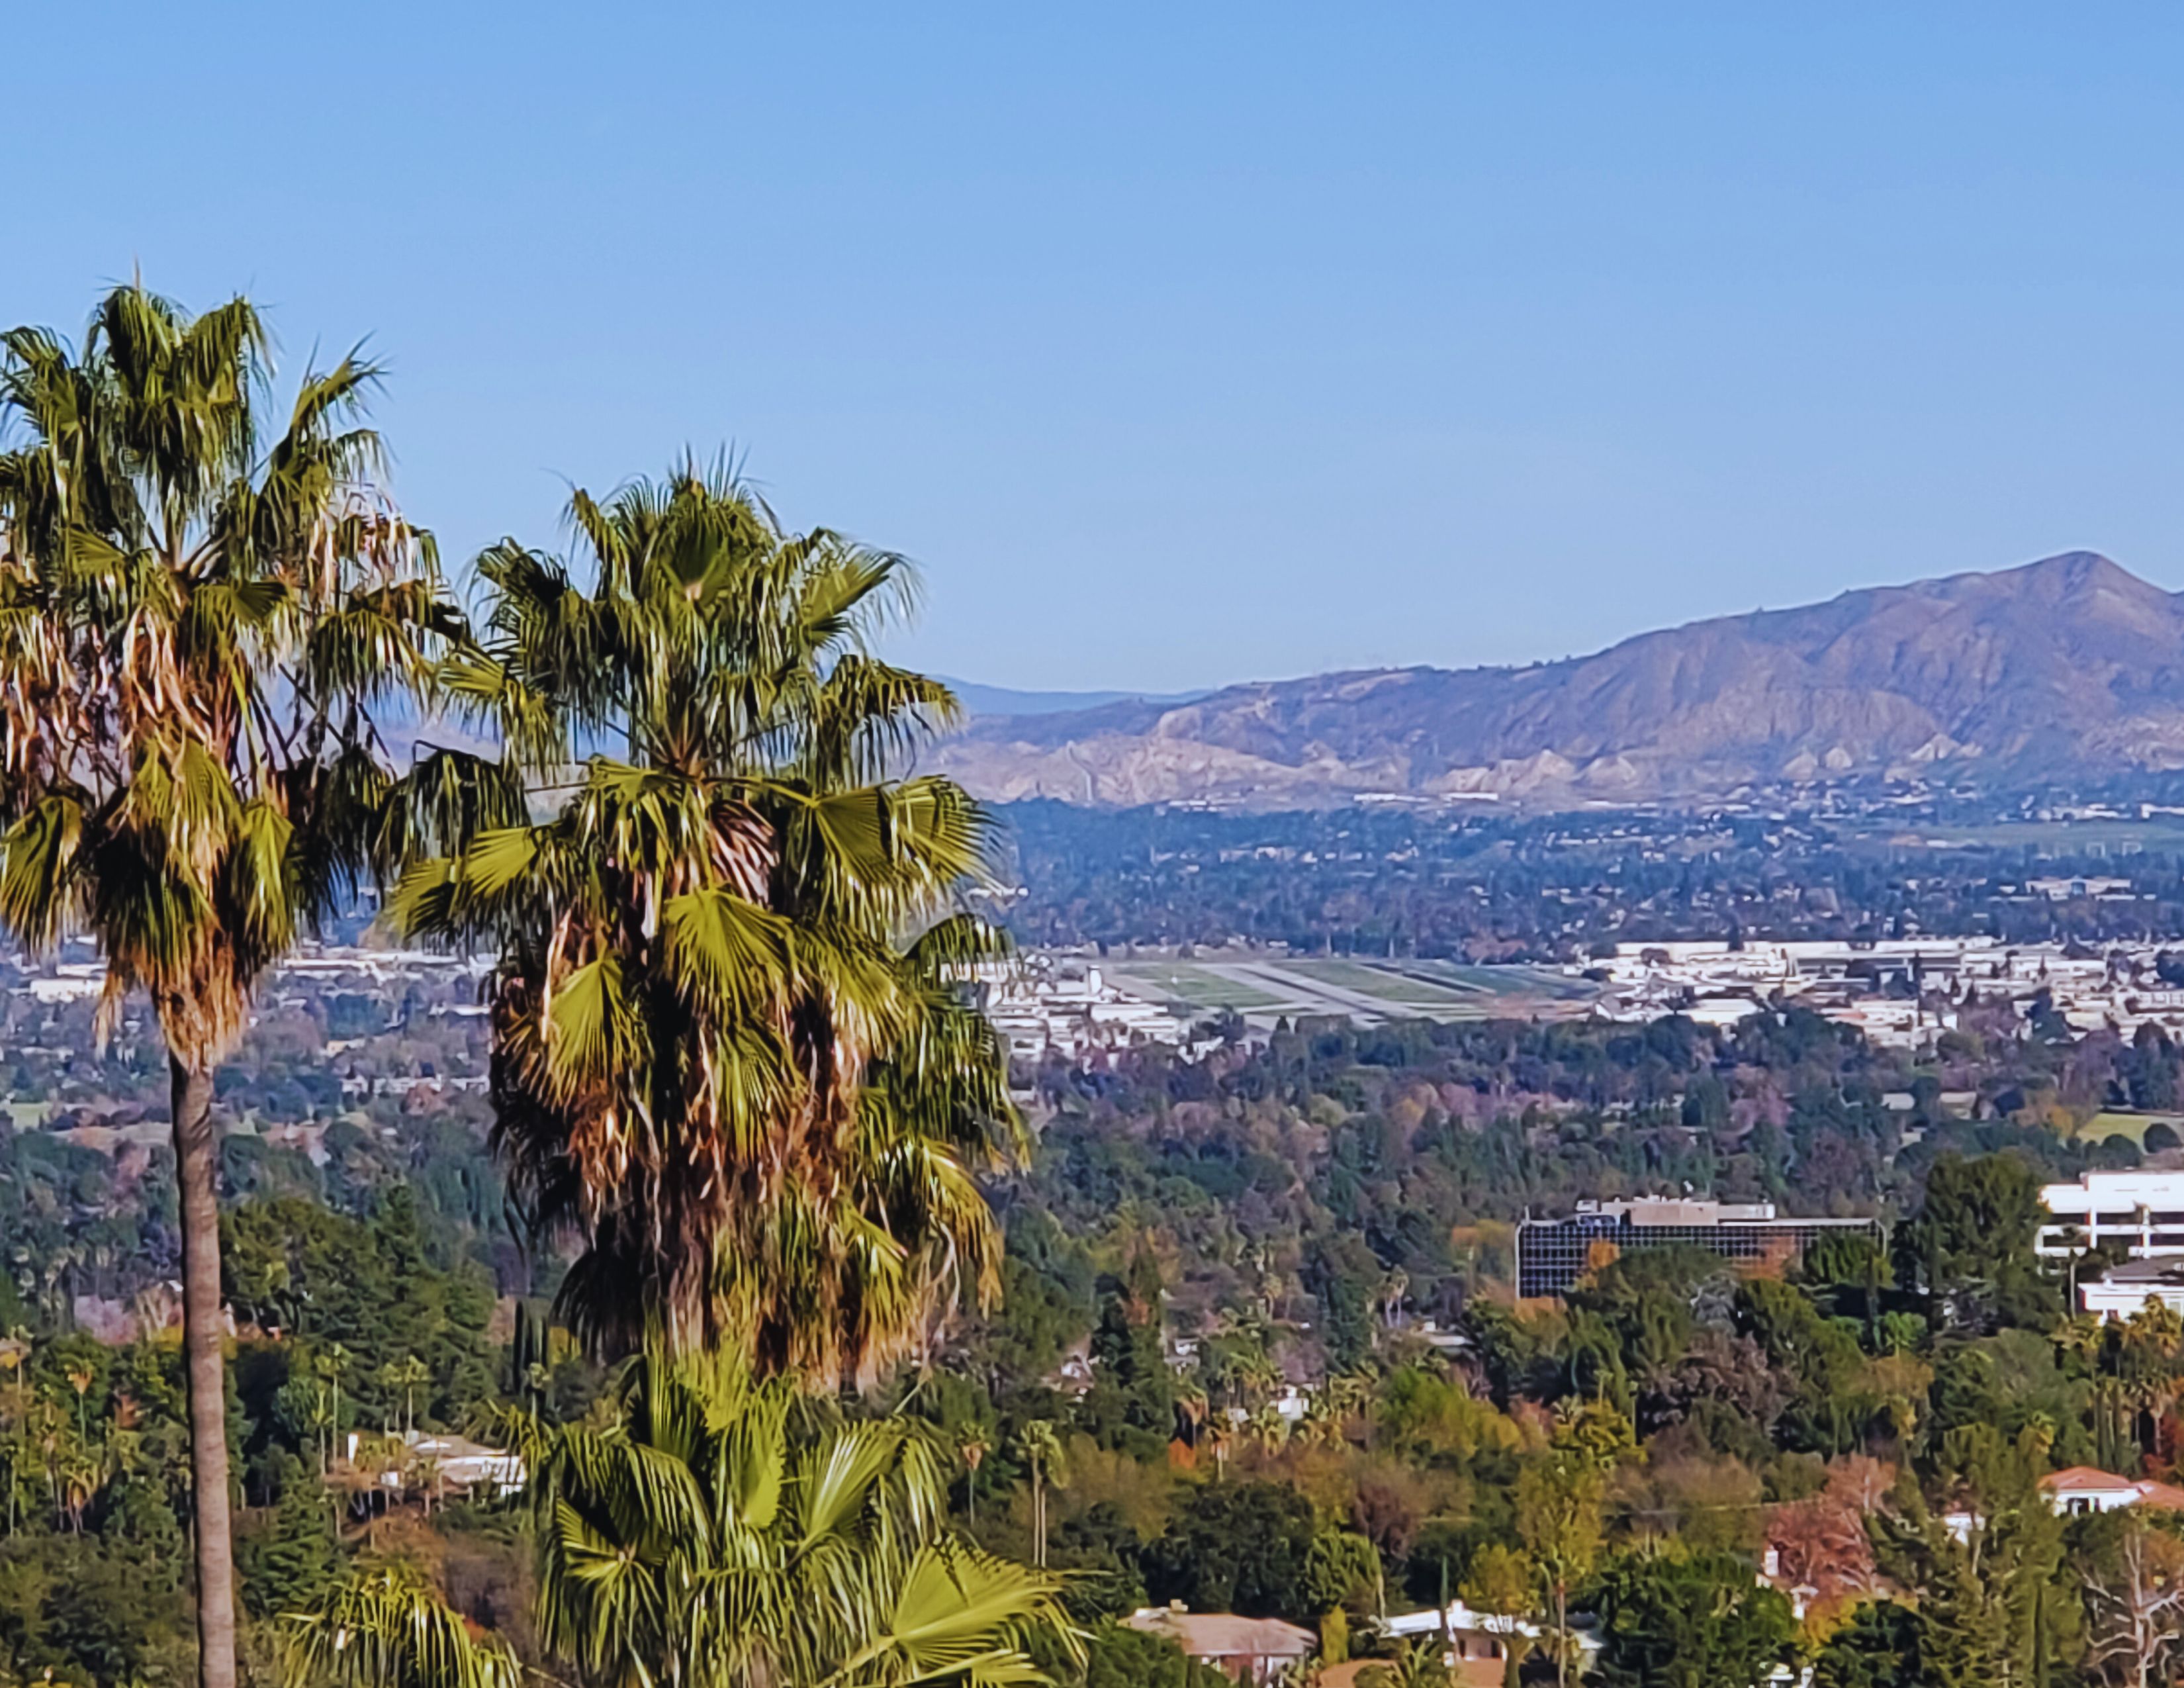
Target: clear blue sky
x,y
1190,344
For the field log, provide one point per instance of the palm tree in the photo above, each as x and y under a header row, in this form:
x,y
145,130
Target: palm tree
x,y
536,1381
409,1371
194,627
721,1532
81,1378
735,1061
387,1629
1322,1424
1040,1449
1256,1376
1220,1435
400,1381
2108,1397
319,1419
1349,1394
332,1364
1192,1406
1268,1428
725,1531
973,1445
15,1454
15,1357
2083,1336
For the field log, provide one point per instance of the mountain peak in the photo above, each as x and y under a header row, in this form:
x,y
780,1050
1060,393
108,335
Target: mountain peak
x,y
2073,573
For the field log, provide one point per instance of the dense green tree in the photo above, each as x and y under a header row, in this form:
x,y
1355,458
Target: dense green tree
x,y
1242,1547
1881,1646
363,1285
1133,1389
1342,1570
288,1561
1344,1277
1676,1619
1970,1248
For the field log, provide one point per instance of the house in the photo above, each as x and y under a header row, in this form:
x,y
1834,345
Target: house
x,y
2079,1489
1477,1643
2130,1287
462,1463
451,1463
1256,1651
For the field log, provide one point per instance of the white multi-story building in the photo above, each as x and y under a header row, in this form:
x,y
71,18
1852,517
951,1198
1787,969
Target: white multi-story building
x,y
2144,1210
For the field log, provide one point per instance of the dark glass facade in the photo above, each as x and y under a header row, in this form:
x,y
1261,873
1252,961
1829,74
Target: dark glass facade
x,y
1553,1254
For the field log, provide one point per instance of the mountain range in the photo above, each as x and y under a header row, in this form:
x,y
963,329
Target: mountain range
x,y
991,700
2071,665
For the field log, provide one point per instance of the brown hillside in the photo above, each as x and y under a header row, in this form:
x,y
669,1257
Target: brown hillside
x,y
2068,663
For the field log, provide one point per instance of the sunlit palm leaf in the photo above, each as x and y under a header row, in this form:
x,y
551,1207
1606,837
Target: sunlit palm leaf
x,y
386,1629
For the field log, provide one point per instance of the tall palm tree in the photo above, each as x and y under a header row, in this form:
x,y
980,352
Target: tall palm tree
x,y
331,1364
409,1371
735,1061
1221,1437
195,624
1040,1449
973,1444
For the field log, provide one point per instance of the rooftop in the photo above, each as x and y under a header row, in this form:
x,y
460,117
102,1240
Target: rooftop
x,y
1223,1635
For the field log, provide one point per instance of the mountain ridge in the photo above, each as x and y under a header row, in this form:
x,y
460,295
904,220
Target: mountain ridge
x,y
2068,663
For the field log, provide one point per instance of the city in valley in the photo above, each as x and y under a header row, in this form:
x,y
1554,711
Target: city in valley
x,y
1119,847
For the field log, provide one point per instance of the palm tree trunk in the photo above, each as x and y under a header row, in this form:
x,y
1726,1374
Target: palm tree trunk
x,y
195,1165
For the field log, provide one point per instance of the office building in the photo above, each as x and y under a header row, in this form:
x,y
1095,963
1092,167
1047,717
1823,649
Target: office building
x,y
1553,1254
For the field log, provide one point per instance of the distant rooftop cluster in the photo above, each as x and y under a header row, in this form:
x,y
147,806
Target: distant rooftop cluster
x,y
1047,1005
1901,993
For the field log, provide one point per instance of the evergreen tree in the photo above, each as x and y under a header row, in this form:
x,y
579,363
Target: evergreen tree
x,y
289,1562
1677,1619
1970,1248
1880,1647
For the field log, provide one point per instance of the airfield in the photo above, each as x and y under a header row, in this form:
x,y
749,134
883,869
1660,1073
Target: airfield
x,y
1264,989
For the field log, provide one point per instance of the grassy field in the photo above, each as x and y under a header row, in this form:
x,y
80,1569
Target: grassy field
x,y
2157,832
1186,982
2102,1126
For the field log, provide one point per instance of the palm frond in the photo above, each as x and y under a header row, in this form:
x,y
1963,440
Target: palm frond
x,y
386,1629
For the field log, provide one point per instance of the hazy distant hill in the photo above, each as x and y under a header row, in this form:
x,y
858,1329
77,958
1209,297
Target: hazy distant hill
x,y
1006,700
2072,663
